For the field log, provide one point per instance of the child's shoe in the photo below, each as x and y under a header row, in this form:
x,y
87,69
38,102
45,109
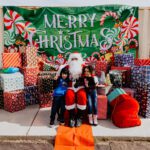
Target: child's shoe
x,y
95,120
51,123
90,119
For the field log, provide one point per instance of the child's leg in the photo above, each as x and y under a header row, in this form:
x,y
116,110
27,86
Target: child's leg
x,y
62,109
54,110
94,102
89,104
94,106
90,109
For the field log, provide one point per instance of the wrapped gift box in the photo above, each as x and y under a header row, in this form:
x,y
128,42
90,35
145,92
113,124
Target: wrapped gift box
x,y
11,60
136,75
30,75
127,74
30,80
1,99
100,66
51,74
104,90
31,95
102,107
45,82
29,57
12,82
140,74
122,68
47,67
14,101
143,97
45,100
124,59
30,71
145,73
141,62
119,78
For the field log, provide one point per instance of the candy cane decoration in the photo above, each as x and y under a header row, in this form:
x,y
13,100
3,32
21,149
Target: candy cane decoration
x,y
106,14
61,61
28,29
123,8
123,41
9,38
51,59
14,22
130,27
96,53
135,41
90,60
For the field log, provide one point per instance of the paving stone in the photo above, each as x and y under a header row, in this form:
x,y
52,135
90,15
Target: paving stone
x,y
142,145
17,123
25,146
102,146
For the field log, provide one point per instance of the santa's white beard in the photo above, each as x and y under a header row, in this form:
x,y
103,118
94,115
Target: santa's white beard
x,y
75,69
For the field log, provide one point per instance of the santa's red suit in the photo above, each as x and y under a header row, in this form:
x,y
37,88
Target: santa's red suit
x,y
75,95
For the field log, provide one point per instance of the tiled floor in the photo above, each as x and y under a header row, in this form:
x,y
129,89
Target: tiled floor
x,y
34,122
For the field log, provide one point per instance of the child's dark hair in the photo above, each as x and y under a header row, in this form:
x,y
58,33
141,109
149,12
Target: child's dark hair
x,y
64,71
90,68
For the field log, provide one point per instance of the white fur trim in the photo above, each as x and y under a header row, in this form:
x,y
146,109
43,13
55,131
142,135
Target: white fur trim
x,y
76,89
70,107
82,107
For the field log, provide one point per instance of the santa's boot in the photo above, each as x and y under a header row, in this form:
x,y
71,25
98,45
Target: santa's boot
x,y
79,118
90,119
71,118
95,120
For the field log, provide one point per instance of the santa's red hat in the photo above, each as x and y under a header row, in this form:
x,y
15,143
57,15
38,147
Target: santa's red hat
x,y
75,55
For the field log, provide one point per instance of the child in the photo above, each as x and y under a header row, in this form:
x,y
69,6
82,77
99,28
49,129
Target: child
x,y
90,87
58,105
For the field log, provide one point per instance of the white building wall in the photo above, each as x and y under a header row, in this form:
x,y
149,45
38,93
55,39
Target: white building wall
x,y
144,29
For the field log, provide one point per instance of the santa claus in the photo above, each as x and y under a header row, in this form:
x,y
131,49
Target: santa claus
x,y
75,95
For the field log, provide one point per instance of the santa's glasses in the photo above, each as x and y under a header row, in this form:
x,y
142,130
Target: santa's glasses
x,y
74,59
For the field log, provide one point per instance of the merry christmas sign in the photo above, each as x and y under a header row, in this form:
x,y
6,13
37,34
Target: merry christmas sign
x,y
58,31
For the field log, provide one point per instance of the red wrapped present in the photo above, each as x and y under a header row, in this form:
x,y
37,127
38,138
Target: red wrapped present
x,y
121,68
11,60
141,62
102,107
104,89
100,66
29,57
45,100
14,101
46,81
30,71
30,80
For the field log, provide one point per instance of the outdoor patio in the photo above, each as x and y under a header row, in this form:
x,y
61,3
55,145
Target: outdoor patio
x,y
33,122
